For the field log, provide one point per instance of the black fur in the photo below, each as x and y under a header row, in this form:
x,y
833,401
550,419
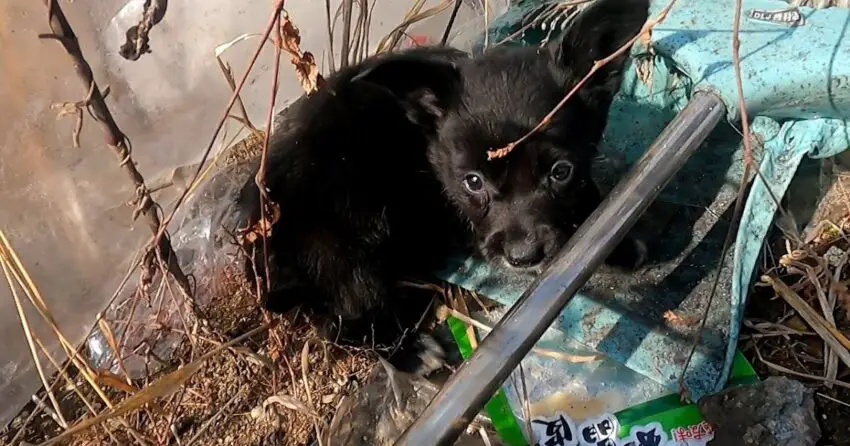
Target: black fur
x,y
359,206
362,168
519,213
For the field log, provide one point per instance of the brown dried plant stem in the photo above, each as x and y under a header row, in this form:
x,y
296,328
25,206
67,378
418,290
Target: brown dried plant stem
x,y
115,139
260,178
742,186
647,28
273,21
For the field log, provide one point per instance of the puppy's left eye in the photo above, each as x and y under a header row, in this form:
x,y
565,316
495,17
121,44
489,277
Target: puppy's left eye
x,y
561,171
473,183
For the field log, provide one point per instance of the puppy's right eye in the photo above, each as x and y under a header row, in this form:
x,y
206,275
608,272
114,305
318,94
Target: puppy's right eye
x,y
473,183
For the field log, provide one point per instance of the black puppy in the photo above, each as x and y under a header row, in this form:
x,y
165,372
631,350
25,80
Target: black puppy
x,y
523,207
362,168
360,207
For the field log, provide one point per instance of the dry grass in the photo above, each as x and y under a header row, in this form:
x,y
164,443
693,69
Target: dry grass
x,y
797,320
222,403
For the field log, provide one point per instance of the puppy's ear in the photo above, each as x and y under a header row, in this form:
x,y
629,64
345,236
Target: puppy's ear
x,y
425,87
595,33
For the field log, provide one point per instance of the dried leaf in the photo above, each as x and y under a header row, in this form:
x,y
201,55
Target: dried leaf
x,y
307,72
254,357
110,379
113,344
159,388
263,227
291,36
501,152
646,37
305,63
683,321
289,403
219,50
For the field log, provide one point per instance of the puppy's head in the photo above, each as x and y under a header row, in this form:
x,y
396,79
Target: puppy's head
x,y
523,207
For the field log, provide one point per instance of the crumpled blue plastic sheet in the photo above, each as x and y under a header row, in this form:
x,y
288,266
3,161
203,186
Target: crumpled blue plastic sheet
x,y
647,321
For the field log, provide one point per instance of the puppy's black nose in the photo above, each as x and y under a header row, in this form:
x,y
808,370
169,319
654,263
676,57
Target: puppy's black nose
x,y
524,255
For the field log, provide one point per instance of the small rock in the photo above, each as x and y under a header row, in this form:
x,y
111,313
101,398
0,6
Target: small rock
x,y
775,412
257,413
328,399
833,256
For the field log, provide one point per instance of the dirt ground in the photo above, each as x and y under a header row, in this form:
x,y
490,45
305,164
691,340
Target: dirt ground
x,y
223,403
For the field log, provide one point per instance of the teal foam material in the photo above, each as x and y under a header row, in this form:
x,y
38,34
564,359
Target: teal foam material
x,y
797,85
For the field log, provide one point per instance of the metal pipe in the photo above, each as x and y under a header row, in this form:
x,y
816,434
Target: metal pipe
x,y
466,392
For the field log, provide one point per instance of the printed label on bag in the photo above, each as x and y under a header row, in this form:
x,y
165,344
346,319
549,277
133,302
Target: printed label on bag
x,y
788,17
561,430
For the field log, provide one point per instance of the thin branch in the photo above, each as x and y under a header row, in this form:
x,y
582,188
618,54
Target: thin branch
x,y
548,12
830,335
260,178
647,28
329,22
59,418
788,371
137,35
115,139
739,200
273,18
444,311
451,23
346,32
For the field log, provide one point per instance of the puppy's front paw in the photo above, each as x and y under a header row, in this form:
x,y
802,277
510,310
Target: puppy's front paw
x,y
430,353
630,254
421,356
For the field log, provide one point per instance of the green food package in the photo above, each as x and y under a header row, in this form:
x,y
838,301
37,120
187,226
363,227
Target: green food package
x,y
660,421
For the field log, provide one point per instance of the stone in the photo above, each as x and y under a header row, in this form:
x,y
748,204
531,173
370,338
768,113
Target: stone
x,y
775,412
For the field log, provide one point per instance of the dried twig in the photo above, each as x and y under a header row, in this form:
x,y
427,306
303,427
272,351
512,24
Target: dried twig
x,y
443,312
115,139
346,32
329,25
415,14
788,371
273,20
228,75
828,309
647,28
305,365
451,23
830,335
24,281
159,388
739,200
137,35
60,419
834,400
